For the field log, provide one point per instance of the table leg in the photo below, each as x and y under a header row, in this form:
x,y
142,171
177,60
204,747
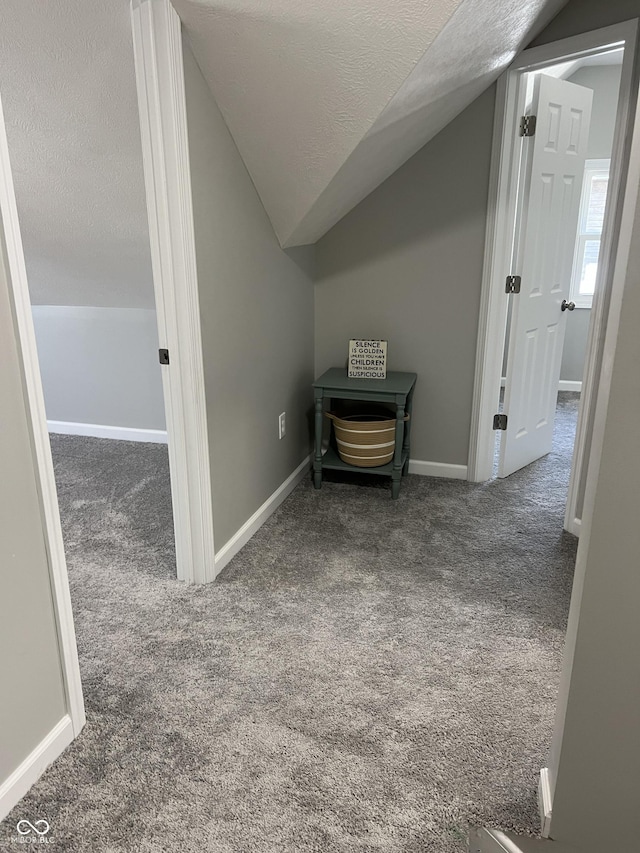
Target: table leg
x,y
406,447
317,459
397,456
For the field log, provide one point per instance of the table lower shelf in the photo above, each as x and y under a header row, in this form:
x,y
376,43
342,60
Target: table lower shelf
x,y
332,461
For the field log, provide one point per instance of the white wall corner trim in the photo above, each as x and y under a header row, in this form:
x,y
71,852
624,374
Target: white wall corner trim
x,y
544,802
42,448
492,320
438,469
157,436
26,774
253,524
159,68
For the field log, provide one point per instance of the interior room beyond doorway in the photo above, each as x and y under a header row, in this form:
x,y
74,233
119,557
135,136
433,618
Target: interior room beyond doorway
x,y
565,227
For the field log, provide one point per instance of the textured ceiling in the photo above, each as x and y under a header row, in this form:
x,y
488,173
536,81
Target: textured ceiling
x,y
68,90
326,99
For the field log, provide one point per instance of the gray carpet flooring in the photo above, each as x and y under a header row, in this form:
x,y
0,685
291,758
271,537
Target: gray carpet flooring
x,y
366,675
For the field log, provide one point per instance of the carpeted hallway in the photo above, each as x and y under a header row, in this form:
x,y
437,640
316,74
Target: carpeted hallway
x,y
366,675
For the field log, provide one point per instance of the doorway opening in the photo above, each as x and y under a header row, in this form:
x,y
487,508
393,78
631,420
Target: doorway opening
x,y
559,167
90,302
568,249
178,333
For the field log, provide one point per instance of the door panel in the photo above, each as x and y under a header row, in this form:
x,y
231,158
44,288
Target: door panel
x,y
548,220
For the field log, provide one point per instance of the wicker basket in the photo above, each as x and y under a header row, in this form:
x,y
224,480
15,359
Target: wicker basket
x,y
365,440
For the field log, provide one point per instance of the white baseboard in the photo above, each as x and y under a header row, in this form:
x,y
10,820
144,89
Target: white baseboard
x,y
157,436
570,385
491,841
13,789
574,526
438,469
544,802
563,384
240,539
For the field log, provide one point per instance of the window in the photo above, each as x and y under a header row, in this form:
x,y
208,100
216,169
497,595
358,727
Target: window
x,y
592,206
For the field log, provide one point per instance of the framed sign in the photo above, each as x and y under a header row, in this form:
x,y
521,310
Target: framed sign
x,y
367,360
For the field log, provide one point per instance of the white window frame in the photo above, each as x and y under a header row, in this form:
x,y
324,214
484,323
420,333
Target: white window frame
x,y
591,167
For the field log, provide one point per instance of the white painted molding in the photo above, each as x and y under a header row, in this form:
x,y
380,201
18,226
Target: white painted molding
x,y
253,524
157,42
496,841
156,436
620,277
570,385
545,801
491,841
438,469
574,526
19,290
492,320
26,774
627,33
510,102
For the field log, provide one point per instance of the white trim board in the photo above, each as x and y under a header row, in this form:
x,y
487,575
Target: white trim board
x,y
19,289
253,524
156,436
545,801
574,526
26,774
495,841
159,70
438,469
503,182
491,841
595,374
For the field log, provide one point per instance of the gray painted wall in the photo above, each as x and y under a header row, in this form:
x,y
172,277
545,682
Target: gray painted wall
x,y
69,97
256,304
605,82
574,350
582,16
30,662
406,266
100,365
596,752
406,263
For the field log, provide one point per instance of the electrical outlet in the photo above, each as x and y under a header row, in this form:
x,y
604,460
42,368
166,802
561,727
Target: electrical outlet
x,y
282,425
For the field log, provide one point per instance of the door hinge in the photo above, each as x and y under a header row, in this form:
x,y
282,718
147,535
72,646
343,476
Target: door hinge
x,y
528,125
163,356
513,284
499,421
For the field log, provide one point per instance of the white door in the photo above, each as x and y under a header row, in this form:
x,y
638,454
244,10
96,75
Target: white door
x,y
552,185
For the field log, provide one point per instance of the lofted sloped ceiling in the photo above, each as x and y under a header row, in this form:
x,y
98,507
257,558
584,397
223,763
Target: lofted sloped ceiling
x,y
69,96
327,98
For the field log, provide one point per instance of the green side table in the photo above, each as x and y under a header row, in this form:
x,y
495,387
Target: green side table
x,y
396,389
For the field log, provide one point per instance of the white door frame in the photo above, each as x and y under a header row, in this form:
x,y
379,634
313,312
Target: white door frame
x,y
500,239
157,45
19,290
175,283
